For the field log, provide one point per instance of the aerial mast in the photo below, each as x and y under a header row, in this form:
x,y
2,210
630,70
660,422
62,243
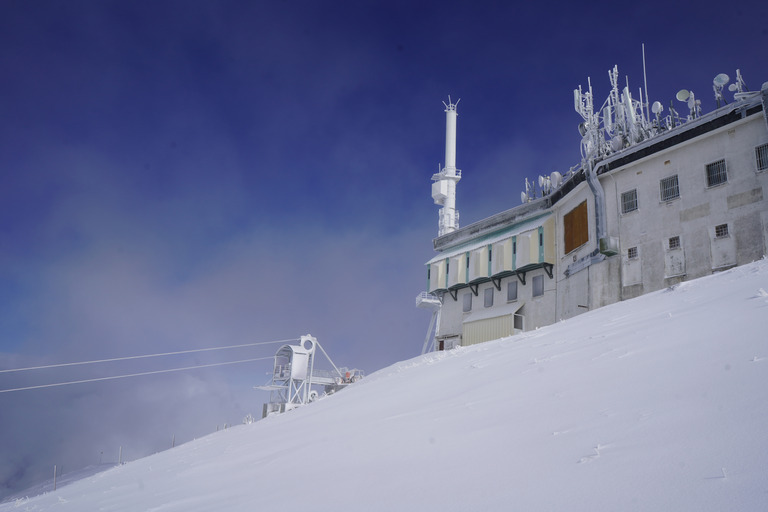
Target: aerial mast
x,y
444,186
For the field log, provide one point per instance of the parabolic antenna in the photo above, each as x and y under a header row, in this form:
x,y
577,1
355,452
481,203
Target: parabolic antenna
x,y
523,197
657,107
733,87
557,179
682,95
541,181
721,79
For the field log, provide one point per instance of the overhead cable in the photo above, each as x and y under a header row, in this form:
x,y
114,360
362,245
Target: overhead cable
x,y
59,365
114,377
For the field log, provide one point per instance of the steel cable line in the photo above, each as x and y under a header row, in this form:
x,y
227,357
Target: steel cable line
x,y
114,377
59,365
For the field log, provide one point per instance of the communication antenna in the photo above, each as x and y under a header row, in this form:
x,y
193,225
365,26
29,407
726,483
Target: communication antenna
x,y
557,179
645,82
717,84
657,108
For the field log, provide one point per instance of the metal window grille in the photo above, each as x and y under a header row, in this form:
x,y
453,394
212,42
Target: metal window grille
x,y
674,242
761,157
721,231
669,188
716,173
629,201
488,297
538,286
632,253
511,291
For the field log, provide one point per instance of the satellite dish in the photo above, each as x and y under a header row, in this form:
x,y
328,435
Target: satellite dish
x,y
682,95
523,197
657,107
556,178
583,129
541,181
721,79
691,102
733,87
617,143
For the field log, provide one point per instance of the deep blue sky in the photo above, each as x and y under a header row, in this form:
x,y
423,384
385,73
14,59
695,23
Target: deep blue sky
x,y
183,174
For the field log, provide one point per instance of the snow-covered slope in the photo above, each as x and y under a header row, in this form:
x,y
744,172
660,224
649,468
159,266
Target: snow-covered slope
x,y
659,403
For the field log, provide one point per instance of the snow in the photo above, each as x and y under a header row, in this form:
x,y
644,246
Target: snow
x,y
658,403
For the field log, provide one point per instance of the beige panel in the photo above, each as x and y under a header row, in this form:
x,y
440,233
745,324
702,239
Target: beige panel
x,y
524,250
487,330
437,276
549,240
502,256
478,263
457,270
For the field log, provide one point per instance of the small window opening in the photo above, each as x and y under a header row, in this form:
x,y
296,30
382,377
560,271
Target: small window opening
x,y
488,297
721,231
632,253
511,291
716,173
674,242
467,306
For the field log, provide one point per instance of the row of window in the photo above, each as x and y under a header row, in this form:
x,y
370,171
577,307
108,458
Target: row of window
x,y
721,231
537,284
669,187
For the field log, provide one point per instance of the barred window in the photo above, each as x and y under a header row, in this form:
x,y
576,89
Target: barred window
x,y
629,201
538,286
674,242
632,253
716,173
488,297
669,188
721,231
511,291
761,157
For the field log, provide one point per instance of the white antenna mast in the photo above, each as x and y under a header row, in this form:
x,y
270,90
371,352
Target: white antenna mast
x,y
645,82
444,186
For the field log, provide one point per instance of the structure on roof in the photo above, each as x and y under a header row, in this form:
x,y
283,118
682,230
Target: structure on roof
x,y
656,199
296,381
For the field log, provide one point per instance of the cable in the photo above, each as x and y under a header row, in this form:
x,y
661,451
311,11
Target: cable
x,y
143,357
114,377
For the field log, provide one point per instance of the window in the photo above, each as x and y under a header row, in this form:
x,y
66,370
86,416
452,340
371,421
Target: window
x,y
716,173
721,231
629,201
761,157
488,297
669,188
511,291
467,298
632,253
674,242
576,228
538,286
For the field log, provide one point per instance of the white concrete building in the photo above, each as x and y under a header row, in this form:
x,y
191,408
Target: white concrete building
x,y
653,203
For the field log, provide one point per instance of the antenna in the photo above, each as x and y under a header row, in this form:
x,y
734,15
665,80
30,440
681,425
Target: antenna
x,y
717,84
645,82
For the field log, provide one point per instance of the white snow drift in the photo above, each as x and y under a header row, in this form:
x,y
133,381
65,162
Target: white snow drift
x,y
658,403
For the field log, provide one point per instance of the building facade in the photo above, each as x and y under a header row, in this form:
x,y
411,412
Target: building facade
x,y
653,203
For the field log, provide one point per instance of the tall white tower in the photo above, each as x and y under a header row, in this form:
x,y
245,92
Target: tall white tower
x,y
444,186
